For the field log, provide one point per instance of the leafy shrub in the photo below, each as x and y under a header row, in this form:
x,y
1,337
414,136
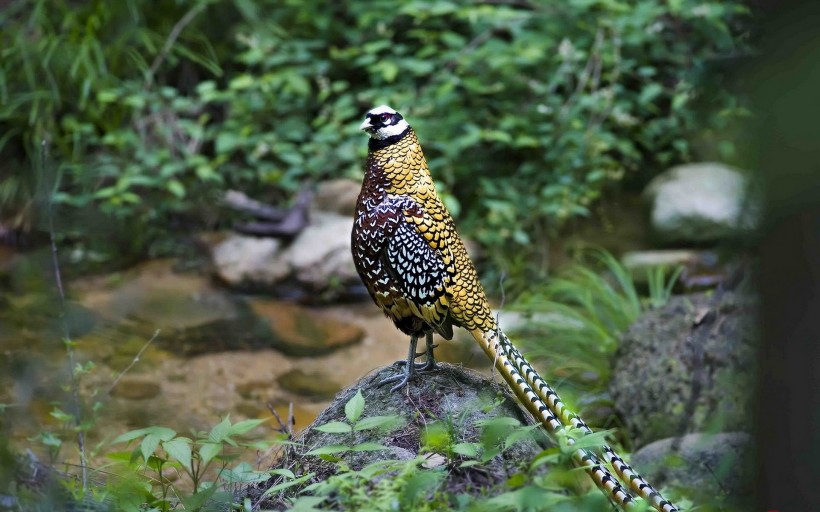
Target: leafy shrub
x,y
65,66
528,111
161,451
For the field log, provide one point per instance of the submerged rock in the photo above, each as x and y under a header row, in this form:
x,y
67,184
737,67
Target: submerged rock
x,y
298,331
155,294
192,315
313,385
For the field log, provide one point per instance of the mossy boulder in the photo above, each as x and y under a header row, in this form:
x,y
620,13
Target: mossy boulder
x,y
687,367
450,401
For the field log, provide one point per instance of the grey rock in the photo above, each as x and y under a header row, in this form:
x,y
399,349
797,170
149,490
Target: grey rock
x,y
337,196
321,253
240,260
700,202
687,367
717,469
317,262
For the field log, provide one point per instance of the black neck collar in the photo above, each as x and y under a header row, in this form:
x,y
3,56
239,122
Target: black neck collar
x,y
376,144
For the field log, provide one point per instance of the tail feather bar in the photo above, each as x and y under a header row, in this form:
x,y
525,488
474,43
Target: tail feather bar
x,y
546,406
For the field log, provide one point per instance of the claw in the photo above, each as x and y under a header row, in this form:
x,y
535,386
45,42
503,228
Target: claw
x,y
411,367
421,365
402,378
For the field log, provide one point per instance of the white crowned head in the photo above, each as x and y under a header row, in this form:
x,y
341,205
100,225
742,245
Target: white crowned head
x,y
383,122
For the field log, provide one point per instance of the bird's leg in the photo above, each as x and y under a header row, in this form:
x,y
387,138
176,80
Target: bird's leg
x,y
431,359
425,365
409,371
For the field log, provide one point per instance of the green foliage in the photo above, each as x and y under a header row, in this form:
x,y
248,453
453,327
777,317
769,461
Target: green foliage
x,y
353,412
593,301
660,286
418,484
528,111
579,316
203,461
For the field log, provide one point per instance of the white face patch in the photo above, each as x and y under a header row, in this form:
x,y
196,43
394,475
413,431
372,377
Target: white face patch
x,y
388,130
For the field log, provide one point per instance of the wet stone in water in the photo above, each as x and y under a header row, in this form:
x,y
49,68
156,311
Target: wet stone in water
x,y
135,388
298,331
308,384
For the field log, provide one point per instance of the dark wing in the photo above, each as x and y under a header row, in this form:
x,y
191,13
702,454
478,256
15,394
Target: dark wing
x,y
407,276
421,275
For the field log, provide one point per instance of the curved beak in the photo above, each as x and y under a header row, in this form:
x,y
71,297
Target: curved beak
x,y
365,125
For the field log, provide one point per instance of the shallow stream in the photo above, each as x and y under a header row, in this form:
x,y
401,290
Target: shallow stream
x,y
173,349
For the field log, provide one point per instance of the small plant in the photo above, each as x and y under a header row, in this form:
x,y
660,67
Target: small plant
x,y
660,287
203,460
355,423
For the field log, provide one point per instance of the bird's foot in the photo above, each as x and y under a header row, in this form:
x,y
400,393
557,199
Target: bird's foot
x,y
429,366
402,378
423,366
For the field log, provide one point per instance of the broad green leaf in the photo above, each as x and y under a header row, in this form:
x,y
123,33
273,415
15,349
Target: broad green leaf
x,y
61,416
242,82
308,504
378,422
418,486
196,501
176,188
519,434
466,449
119,456
245,426
288,483
282,472
368,447
354,407
149,445
244,473
329,450
208,451
220,431
334,427
180,449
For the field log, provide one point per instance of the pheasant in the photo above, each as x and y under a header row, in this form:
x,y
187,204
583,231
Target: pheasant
x,y
415,267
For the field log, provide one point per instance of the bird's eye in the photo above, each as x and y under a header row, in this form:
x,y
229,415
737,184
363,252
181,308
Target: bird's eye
x,y
385,118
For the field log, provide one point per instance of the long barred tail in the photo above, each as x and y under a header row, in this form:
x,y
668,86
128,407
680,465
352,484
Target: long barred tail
x,y
546,406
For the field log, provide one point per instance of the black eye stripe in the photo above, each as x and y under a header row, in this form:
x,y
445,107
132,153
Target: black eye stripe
x,y
384,119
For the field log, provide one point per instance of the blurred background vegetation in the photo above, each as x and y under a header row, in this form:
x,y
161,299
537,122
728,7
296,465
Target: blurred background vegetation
x,y
529,110
134,117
